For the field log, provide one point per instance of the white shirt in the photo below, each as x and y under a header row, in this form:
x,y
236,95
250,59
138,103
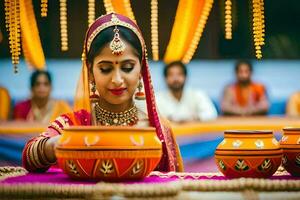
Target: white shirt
x,y
193,105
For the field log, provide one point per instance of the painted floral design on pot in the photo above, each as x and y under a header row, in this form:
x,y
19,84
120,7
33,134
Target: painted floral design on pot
x,y
254,154
290,144
108,153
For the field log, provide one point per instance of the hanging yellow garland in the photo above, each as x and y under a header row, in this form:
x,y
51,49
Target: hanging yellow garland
x,y
262,18
198,33
187,18
63,25
128,9
31,43
44,8
258,26
12,19
122,7
108,6
154,30
91,11
228,19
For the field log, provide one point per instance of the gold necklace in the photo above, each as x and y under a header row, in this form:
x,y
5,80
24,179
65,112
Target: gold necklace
x,y
107,118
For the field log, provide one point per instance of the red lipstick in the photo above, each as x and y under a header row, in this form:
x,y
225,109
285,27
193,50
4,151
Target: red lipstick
x,y
117,91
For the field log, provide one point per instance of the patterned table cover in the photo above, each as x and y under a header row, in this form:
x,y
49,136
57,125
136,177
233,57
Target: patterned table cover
x,y
55,184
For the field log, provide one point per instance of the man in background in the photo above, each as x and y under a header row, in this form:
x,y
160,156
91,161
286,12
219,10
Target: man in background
x,y
244,96
180,104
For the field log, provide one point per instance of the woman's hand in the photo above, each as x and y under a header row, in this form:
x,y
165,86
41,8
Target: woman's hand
x,y
49,150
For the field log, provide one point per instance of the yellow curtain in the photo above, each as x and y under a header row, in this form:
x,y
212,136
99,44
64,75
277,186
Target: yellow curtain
x,y
4,104
187,16
122,7
190,20
31,43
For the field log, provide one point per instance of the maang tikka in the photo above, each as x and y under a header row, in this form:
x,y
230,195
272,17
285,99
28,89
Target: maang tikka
x,y
117,46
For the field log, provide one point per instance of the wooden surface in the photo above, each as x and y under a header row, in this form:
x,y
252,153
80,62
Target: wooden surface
x,y
235,123
21,127
219,125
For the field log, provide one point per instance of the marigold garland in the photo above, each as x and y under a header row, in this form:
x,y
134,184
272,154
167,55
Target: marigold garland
x,y
228,19
127,6
91,11
154,30
12,19
258,26
108,6
31,43
191,17
63,25
44,8
19,15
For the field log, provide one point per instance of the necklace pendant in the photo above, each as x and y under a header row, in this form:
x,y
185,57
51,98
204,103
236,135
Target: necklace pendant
x,y
126,118
115,121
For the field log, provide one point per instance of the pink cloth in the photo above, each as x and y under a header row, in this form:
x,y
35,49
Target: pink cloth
x,y
56,176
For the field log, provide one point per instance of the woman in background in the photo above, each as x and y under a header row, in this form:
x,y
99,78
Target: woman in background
x,y
40,107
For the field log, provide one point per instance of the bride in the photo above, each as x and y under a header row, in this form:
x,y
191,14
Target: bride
x,y
114,70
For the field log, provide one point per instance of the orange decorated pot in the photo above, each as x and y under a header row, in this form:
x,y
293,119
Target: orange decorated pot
x,y
254,154
290,144
108,153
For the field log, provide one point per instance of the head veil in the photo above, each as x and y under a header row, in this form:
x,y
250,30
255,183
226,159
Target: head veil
x,y
82,97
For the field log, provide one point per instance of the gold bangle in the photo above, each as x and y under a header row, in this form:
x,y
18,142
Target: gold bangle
x,y
45,155
28,160
41,153
30,153
36,154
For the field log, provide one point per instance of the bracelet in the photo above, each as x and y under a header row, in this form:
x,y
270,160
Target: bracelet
x,y
43,154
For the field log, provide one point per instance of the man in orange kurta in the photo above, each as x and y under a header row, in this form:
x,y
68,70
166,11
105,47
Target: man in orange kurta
x,y
244,97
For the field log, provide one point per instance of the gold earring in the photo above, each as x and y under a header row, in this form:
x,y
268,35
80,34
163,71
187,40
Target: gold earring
x,y
140,95
94,96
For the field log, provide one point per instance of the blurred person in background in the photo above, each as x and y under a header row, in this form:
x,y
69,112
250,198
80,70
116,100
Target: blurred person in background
x,y
244,96
4,104
181,104
293,105
40,107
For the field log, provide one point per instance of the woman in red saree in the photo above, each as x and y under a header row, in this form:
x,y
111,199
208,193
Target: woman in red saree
x,y
40,107
114,66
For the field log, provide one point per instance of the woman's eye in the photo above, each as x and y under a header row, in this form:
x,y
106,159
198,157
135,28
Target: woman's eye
x,y
127,68
105,70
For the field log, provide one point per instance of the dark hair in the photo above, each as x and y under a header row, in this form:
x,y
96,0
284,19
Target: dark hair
x,y
175,63
243,62
106,36
36,74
